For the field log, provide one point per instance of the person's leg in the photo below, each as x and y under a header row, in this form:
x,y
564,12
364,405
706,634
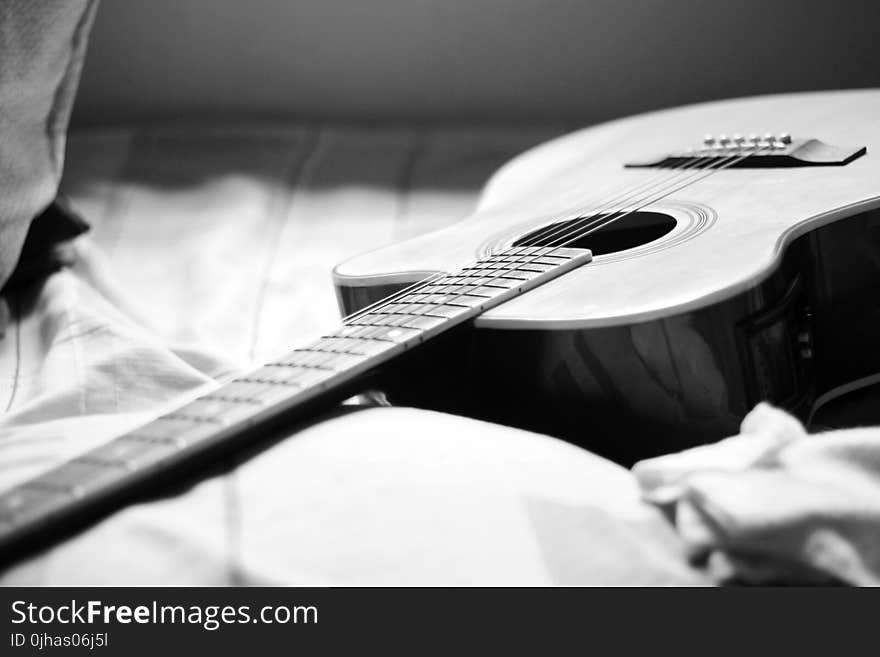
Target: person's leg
x,y
386,496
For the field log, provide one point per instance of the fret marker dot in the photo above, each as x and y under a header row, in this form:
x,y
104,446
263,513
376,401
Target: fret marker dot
x,y
394,333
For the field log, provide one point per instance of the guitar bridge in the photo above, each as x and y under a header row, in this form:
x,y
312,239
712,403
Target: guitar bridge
x,y
753,152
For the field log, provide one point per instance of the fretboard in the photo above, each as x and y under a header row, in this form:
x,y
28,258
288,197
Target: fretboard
x,y
199,427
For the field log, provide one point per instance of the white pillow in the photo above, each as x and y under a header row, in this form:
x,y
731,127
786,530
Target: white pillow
x,y
42,45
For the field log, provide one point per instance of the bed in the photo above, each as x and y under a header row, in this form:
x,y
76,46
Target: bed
x,y
211,250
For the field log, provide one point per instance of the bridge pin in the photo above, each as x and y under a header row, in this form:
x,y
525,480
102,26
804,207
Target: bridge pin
x,y
776,142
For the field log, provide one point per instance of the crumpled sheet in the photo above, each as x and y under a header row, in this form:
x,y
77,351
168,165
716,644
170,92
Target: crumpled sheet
x,y
211,250
379,496
775,504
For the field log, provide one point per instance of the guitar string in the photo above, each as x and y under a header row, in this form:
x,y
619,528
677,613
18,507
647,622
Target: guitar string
x,y
562,217
731,160
544,251
408,290
553,247
567,216
712,171
558,224
581,233
373,331
560,221
414,287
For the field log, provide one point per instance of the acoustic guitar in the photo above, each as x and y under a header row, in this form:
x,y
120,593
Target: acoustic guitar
x,y
635,287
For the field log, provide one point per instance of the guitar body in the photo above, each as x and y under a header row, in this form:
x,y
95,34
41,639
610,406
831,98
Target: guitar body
x,y
757,283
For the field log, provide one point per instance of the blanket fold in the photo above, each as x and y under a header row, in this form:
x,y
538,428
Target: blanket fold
x,y
775,504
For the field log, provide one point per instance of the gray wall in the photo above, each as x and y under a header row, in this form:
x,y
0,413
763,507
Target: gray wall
x,y
464,59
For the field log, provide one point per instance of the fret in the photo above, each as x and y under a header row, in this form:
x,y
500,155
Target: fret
x,y
130,452
305,361
395,333
381,333
462,301
369,319
302,375
472,288
482,292
77,477
308,360
382,320
322,350
330,359
508,273
220,397
212,411
444,311
283,385
408,310
504,261
533,267
343,346
507,266
501,282
558,252
347,331
551,255
248,392
364,345
22,502
549,261
165,428
326,349
282,376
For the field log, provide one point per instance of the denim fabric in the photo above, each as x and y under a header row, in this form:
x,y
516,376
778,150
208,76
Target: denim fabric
x,y
42,45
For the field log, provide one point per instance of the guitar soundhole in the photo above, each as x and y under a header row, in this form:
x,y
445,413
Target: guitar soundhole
x,y
603,233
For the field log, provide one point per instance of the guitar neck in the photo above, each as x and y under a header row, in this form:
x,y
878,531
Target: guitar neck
x,y
101,477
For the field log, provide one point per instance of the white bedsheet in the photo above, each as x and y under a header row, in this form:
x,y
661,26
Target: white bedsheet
x,y
211,251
